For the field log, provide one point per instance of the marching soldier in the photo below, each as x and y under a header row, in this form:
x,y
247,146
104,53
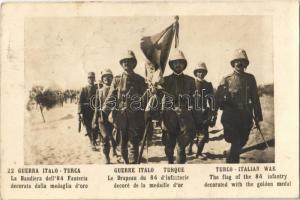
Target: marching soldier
x,y
126,91
205,116
100,119
238,98
178,124
85,109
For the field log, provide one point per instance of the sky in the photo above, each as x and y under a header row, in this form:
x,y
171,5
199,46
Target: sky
x,y
60,51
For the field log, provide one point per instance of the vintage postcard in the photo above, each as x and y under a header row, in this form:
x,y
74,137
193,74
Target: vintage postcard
x,y
149,100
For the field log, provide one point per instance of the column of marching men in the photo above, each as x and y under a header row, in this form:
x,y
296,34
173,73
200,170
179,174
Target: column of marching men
x,y
110,111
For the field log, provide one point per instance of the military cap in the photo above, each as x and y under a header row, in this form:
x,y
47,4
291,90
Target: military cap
x,y
91,74
177,55
128,55
240,54
200,66
106,72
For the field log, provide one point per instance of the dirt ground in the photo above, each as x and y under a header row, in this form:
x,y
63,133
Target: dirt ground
x,y
58,142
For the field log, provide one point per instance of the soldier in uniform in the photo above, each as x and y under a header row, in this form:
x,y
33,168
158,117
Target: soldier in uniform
x,y
178,124
101,120
238,98
205,116
86,110
128,117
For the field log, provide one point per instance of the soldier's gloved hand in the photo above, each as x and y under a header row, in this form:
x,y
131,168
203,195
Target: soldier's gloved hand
x,y
258,122
80,116
213,118
212,122
177,110
153,90
205,122
103,117
94,124
122,110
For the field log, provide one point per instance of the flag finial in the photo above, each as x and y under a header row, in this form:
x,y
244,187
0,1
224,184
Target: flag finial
x,y
176,18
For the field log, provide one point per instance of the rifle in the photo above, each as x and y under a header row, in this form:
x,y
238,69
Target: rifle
x,y
79,123
257,126
148,120
144,141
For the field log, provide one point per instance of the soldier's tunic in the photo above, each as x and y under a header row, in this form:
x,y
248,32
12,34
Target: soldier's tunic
x,y
178,124
125,95
86,96
238,98
101,118
206,93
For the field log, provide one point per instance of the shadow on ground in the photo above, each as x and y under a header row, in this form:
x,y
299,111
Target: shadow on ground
x,y
260,146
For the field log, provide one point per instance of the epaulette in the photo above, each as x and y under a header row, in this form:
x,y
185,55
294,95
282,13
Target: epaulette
x,y
249,75
228,75
224,78
139,76
189,77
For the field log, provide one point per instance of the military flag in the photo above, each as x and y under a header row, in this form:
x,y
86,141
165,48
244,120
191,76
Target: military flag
x,y
156,48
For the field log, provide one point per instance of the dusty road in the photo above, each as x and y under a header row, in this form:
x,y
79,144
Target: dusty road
x,y
58,142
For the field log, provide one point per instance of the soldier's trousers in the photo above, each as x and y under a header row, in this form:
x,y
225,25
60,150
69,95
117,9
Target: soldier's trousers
x,y
92,134
106,130
202,138
178,129
234,152
237,126
87,121
130,125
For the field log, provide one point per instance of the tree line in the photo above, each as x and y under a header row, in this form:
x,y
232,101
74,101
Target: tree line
x,y
46,98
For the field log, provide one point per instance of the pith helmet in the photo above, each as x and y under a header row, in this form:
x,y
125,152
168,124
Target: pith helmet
x,y
91,74
128,55
177,55
240,54
200,66
106,72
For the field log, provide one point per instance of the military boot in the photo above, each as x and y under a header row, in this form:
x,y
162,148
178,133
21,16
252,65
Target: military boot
x,y
190,150
234,153
170,155
107,158
124,153
114,146
134,153
181,157
115,151
200,147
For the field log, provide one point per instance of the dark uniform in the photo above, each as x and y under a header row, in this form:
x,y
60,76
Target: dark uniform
x,y
238,98
178,124
126,91
204,115
85,108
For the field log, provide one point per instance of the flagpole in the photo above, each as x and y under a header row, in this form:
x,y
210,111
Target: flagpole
x,y
176,31
148,45
176,17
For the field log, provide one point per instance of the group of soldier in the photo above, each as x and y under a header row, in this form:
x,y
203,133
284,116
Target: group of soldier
x,y
108,111
68,95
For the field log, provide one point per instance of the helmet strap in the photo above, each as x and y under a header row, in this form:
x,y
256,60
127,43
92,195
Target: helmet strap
x,y
177,74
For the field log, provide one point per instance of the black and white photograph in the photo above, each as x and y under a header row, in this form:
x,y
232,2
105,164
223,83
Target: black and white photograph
x,y
149,99
155,89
